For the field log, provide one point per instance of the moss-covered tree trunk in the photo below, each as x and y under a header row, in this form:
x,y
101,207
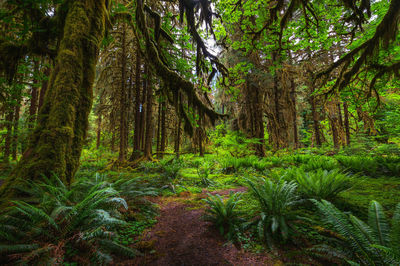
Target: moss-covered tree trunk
x,y
346,122
56,143
136,130
163,128
123,123
7,139
15,140
149,117
34,96
43,88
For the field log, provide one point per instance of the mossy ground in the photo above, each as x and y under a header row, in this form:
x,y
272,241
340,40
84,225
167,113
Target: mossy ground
x,y
198,176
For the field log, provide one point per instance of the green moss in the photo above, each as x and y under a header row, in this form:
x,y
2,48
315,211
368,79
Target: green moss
x,y
385,190
56,144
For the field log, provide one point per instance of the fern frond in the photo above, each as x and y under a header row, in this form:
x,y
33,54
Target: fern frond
x,y
379,224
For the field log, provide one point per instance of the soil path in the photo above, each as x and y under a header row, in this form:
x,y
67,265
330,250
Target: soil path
x,y
182,237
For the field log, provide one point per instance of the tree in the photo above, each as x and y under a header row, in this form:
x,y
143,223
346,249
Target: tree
x,y
56,143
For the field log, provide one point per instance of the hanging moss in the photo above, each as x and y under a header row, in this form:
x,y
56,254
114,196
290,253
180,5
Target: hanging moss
x,y
170,77
56,143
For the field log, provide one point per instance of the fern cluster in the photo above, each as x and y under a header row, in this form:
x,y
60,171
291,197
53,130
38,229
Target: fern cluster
x,y
59,219
323,184
374,242
224,214
277,202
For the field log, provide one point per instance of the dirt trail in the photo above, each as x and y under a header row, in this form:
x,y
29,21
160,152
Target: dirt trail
x,y
182,237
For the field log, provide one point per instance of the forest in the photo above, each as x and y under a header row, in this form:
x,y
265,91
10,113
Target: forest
x,y
199,132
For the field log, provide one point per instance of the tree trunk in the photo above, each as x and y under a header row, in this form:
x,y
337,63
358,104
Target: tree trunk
x,y
163,128
149,117
123,114
143,109
136,131
200,137
7,141
334,123
14,147
43,89
158,130
99,121
56,143
178,136
295,130
34,97
346,122
315,117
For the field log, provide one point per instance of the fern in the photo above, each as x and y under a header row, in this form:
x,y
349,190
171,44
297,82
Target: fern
x,y
363,243
276,206
224,215
322,184
87,214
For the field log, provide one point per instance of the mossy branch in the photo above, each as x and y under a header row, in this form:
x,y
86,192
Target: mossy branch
x,y
385,33
171,78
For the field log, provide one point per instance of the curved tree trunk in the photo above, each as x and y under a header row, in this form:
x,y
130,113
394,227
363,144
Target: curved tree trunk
x,y
56,143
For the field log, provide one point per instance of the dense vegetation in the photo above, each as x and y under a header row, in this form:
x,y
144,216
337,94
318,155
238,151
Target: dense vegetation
x,y
278,120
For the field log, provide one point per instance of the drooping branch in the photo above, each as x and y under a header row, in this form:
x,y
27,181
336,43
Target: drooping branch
x,y
172,79
385,33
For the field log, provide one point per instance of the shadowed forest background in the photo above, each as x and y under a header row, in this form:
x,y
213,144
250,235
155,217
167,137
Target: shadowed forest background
x,y
198,132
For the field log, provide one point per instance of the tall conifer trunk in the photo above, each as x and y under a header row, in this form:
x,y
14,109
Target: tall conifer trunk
x,y
346,122
149,117
123,110
34,97
136,130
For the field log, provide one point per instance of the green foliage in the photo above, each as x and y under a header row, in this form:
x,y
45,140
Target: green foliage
x,y
82,218
131,230
233,143
320,162
224,215
323,184
204,171
276,206
231,164
170,171
371,243
359,164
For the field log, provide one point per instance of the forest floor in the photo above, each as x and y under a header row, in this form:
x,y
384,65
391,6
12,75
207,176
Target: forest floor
x,y
182,237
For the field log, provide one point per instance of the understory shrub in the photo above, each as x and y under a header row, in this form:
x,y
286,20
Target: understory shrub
x,y
224,215
276,207
322,184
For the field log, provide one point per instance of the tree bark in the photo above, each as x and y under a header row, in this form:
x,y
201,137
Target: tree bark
x,y
136,131
149,117
315,117
158,130
7,141
178,135
43,89
34,97
99,121
123,114
295,130
14,148
163,128
56,143
346,122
